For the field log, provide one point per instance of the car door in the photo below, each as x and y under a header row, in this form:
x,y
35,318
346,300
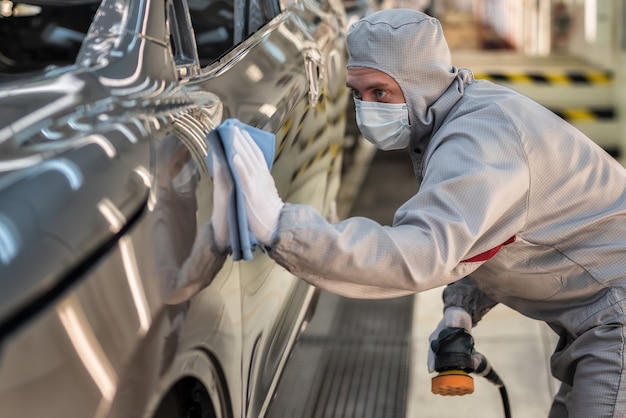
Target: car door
x,y
285,75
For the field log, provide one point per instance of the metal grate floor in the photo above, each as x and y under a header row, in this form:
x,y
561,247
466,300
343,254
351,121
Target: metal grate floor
x,y
354,362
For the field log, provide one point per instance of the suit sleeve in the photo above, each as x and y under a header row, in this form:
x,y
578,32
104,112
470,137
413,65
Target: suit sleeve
x,y
472,199
465,294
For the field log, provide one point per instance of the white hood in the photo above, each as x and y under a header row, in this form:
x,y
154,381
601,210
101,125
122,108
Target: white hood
x,y
410,47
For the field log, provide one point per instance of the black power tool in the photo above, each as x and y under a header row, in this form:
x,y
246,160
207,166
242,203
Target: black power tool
x,y
454,361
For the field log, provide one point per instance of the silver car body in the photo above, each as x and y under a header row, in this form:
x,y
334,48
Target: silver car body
x,y
104,187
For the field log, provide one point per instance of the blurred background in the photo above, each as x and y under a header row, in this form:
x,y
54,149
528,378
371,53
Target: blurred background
x,y
568,55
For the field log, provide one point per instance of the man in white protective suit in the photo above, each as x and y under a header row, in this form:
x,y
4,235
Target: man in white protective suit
x,y
515,206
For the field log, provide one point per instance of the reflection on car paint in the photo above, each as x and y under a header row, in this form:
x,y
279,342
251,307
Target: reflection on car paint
x,y
108,284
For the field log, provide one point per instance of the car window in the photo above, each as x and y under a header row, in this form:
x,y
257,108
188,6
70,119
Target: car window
x,y
42,34
260,12
219,25
213,23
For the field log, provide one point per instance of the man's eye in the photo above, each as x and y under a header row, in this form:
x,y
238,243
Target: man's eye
x,y
356,94
380,94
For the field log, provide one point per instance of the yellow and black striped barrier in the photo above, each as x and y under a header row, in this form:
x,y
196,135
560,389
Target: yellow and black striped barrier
x,y
586,115
578,115
563,78
532,77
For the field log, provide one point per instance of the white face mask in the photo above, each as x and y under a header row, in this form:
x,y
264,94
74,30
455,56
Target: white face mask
x,y
385,125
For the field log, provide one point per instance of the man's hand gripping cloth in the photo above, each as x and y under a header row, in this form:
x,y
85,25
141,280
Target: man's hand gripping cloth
x,y
241,241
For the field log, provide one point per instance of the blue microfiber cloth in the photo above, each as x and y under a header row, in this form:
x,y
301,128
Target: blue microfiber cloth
x,y
242,242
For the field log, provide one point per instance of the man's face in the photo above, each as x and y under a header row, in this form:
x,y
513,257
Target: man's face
x,y
370,85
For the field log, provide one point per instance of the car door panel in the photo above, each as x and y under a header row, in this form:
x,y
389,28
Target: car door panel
x,y
278,80
115,312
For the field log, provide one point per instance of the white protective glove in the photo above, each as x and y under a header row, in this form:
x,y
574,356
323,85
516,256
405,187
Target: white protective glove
x,y
455,317
263,204
222,190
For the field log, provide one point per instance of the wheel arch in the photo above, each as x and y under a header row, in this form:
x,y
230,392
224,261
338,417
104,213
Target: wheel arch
x,y
195,380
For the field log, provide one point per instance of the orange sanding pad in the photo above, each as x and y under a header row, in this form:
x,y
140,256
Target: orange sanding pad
x,y
452,383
